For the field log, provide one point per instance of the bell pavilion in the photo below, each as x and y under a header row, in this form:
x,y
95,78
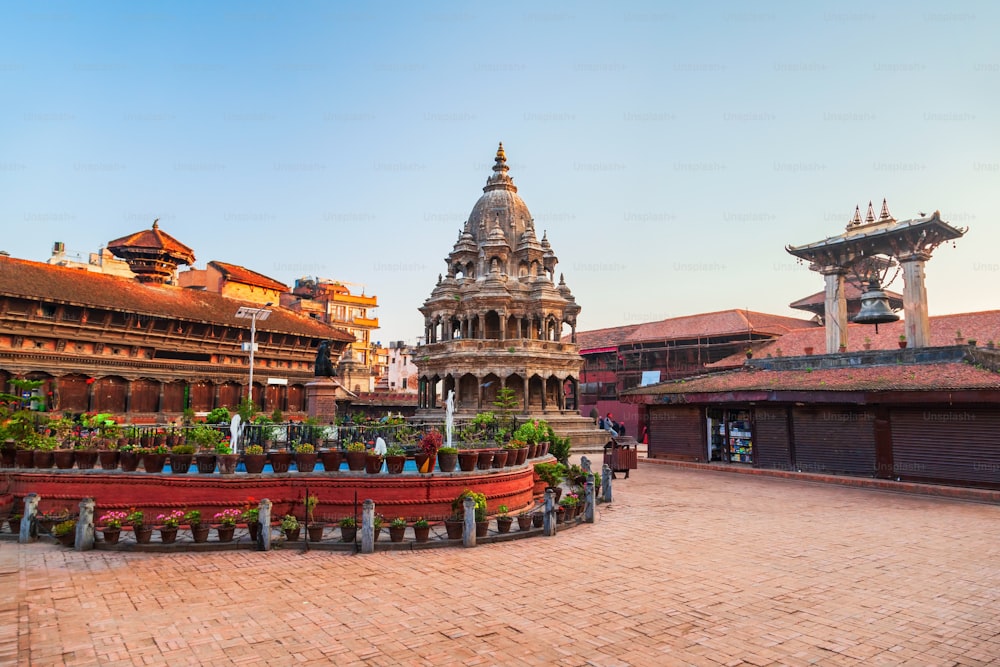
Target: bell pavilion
x,y
495,319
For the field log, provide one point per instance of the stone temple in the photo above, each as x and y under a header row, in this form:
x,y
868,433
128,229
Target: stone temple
x,y
496,318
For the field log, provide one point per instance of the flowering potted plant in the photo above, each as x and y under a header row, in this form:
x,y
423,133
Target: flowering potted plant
x,y
227,523
305,457
355,454
169,524
137,520
254,459
65,532
111,525
397,529
421,529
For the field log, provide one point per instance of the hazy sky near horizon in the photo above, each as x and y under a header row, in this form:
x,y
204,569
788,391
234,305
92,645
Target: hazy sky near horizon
x,y
670,150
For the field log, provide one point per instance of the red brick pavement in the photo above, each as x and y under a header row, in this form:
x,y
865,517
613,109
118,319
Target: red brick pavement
x,y
685,568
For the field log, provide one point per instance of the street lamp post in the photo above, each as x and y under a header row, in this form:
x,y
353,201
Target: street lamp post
x,y
253,314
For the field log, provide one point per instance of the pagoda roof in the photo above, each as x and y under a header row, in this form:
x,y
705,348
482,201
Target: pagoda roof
x,y
720,323
153,240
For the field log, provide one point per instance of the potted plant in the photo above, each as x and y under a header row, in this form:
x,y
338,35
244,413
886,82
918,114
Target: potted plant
x,y
280,460
251,515
254,459
65,532
447,459
868,343
421,530
305,457
199,530
63,456
355,455
314,530
552,474
455,523
168,525
42,454
430,446
395,459
504,520
524,521
227,523
397,529
111,526
137,520
373,462
331,459
348,529
14,523
290,526
86,453
180,458
377,521
902,341
224,456
154,458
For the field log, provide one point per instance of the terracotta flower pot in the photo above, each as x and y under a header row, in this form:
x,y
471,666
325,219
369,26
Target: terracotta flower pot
x,y
280,461
421,533
154,462
254,463
199,532
394,464
447,462
315,531
253,527
500,458
42,458
397,533
454,528
86,459
355,460
331,459
484,459
143,534
7,454
504,523
180,464
423,462
168,535
348,534
524,522
24,458
226,533
467,460
205,463
227,463
306,462
129,461
63,458
292,535
108,458
482,528
111,535
373,464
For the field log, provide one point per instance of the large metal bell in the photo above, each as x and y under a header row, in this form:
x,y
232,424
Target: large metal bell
x,y
875,307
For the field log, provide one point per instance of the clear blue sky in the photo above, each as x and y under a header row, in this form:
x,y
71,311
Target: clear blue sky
x,y
671,151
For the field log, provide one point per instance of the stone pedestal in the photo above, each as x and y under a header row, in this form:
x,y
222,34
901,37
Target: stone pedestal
x,y
322,395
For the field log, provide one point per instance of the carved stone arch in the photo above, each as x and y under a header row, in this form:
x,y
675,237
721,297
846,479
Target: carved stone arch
x,y
491,325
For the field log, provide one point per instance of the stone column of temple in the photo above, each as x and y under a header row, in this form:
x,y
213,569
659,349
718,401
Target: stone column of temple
x,y
917,325
835,308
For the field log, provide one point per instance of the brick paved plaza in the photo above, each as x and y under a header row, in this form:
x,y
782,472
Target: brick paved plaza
x,y
684,568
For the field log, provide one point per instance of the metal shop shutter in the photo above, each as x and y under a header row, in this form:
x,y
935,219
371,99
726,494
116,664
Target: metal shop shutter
x,y
834,440
677,433
957,445
771,438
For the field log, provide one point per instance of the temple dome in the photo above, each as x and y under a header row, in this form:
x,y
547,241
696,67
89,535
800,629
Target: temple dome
x,y
499,205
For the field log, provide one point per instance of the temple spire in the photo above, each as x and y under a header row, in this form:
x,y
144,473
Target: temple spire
x,y
500,180
870,217
856,220
884,215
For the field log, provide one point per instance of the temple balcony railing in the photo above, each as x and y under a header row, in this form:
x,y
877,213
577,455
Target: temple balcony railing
x,y
513,346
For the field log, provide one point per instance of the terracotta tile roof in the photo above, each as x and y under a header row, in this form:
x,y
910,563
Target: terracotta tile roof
x,y
895,377
722,323
154,239
602,338
59,284
982,326
241,274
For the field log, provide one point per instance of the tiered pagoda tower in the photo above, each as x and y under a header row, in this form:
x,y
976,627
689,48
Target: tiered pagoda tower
x,y
496,318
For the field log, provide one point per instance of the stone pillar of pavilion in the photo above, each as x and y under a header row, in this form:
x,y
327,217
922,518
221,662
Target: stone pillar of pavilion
x,y
917,322
835,308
